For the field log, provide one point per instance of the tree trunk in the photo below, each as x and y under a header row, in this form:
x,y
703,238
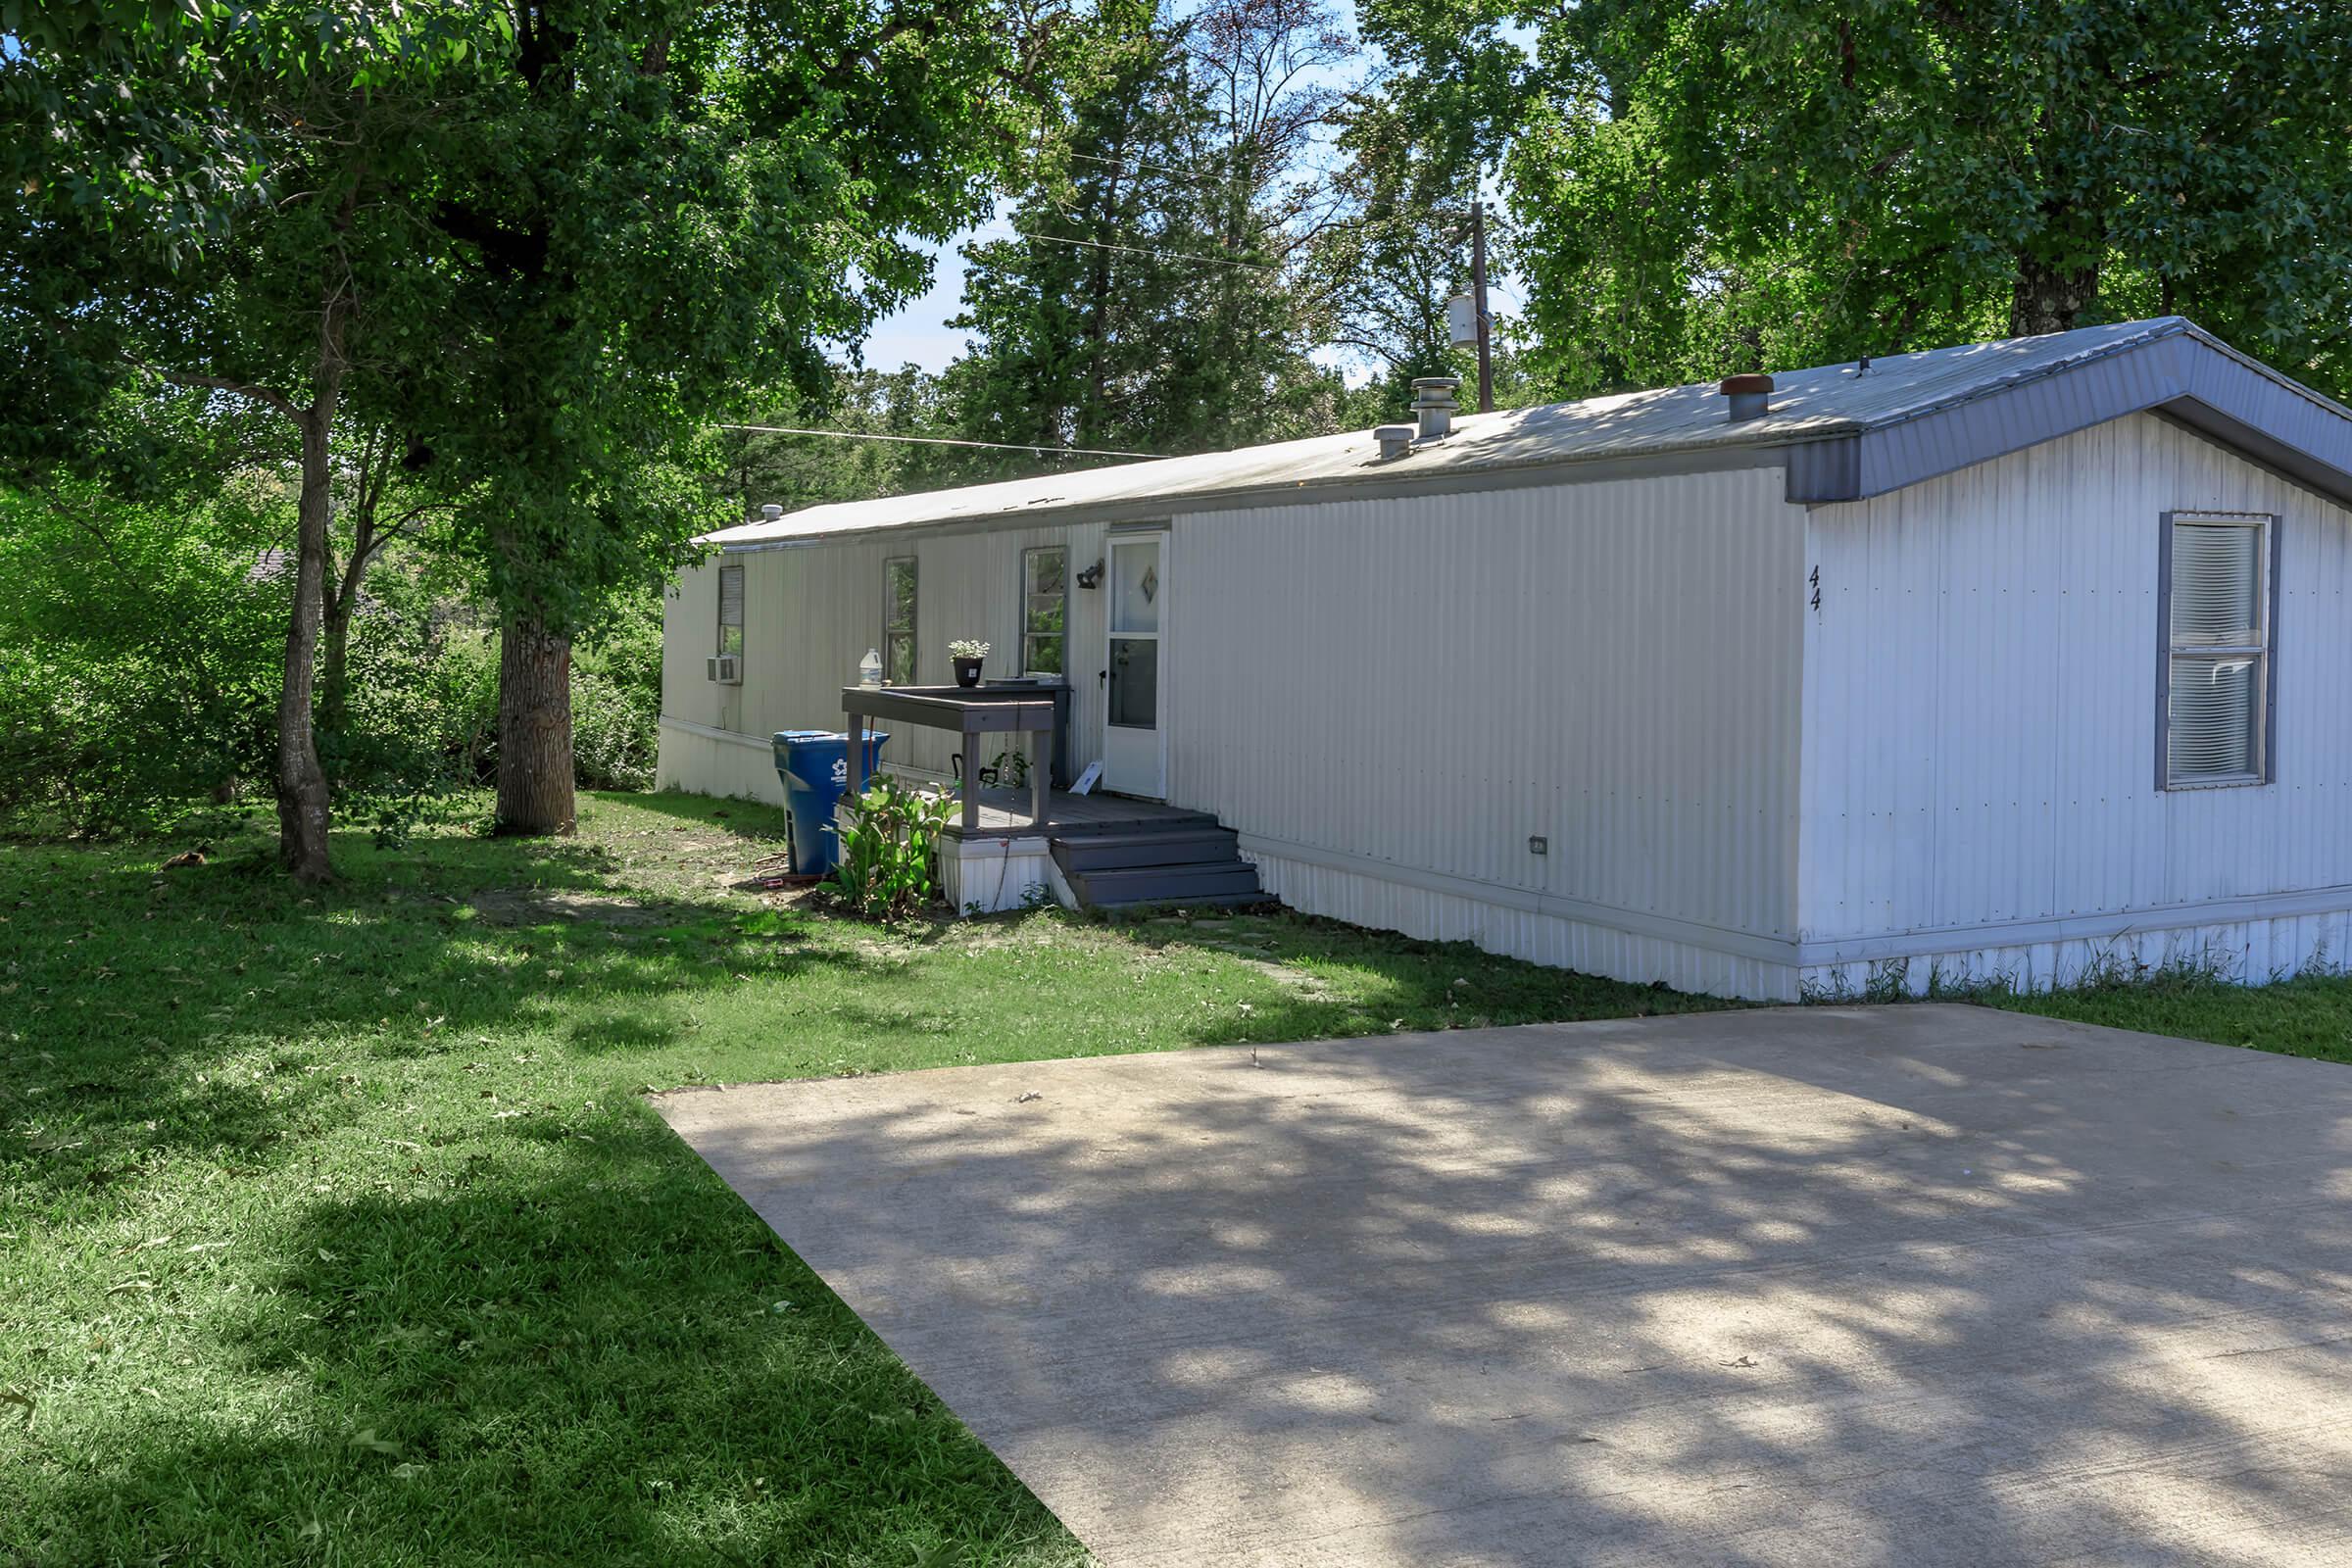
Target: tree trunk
x,y
2046,299
302,796
534,728
334,666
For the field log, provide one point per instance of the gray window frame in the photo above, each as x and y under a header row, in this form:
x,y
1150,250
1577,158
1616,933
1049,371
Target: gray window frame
x,y
1028,666
891,631
2266,651
741,610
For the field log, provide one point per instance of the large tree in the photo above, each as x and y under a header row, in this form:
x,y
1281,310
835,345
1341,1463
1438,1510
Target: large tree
x,y
1708,186
539,242
195,200
679,200
1147,299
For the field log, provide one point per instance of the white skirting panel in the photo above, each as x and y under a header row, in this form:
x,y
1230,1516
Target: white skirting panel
x,y
2245,951
701,762
1361,898
986,876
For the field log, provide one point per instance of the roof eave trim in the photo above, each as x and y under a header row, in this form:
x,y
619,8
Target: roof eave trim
x,y
1769,451
2180,373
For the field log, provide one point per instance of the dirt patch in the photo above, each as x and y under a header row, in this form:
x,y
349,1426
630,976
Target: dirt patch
x,y
542,905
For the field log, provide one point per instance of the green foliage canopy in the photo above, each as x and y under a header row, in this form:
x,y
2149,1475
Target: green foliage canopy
x,y
1705,187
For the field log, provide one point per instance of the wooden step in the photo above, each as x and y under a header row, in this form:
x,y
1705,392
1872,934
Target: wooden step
x,y
1231,879
1112,852
1134,830
1216,901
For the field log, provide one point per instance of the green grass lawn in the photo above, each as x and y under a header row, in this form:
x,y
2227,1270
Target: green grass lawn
x,y
2308,1016
334,1228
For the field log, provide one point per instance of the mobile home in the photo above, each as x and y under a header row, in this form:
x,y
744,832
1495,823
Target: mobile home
x,y
2012,659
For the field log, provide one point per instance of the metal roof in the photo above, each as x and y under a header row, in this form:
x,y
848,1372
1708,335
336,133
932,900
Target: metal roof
x,y
1843,432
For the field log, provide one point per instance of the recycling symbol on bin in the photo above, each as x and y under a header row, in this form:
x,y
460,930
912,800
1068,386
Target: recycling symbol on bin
x,y
841,770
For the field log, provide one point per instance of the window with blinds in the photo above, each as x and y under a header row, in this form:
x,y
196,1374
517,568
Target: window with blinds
x,y
2219,591
898,620
730,610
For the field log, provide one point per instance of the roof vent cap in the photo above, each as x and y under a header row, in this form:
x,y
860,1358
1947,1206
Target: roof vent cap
x,y
1750,395
1434,404
1395,440
772,509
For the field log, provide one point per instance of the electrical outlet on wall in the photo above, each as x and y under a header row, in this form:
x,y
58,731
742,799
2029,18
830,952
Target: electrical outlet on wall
x,y
1538,844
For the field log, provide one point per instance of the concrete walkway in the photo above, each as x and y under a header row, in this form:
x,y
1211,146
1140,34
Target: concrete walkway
x,y
1919,1285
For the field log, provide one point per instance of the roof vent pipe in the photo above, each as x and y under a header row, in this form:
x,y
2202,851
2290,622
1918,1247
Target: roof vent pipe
x,y
1395,440
1433,404
1750,395
772,509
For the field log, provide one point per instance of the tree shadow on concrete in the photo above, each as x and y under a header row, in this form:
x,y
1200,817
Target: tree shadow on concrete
x,y
1926,1285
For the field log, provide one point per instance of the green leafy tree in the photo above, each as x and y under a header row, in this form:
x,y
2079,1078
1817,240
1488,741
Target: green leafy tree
x,y
677,200
760,467
1703,187
539,242
139,603
195,200
1148,300
1382,272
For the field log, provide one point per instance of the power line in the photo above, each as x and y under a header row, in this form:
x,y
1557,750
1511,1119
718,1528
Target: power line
x,y
1270,177
937,441
1141,250
1159,168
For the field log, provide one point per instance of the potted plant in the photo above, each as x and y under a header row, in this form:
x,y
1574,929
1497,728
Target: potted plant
x,y
967,656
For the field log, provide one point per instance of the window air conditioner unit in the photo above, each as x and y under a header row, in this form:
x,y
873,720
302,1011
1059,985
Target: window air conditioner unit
x,y
725,668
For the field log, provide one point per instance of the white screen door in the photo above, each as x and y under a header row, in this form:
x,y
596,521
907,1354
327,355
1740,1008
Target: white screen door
x,y
1134,749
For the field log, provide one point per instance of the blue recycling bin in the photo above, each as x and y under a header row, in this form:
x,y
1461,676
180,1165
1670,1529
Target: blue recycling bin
x,y
815,766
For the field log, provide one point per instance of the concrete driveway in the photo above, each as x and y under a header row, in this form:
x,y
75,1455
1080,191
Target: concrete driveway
x,y
1925,1285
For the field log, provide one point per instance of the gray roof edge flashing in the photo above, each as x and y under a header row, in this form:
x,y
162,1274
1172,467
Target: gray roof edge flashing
x,y
2162,327
2157,330
2277,377
1692,457
2173,370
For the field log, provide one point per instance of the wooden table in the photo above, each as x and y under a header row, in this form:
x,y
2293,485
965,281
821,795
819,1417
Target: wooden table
x,y
968,710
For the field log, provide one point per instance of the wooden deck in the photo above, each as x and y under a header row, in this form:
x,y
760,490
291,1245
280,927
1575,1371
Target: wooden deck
x,y
1004,813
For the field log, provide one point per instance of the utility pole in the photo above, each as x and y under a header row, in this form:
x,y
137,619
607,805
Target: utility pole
x,y
1478,296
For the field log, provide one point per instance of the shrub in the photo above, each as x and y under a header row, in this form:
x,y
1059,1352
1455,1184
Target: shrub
x,y
890,849
616,702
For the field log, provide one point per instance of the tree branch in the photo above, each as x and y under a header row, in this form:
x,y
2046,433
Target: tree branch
x,y
266,395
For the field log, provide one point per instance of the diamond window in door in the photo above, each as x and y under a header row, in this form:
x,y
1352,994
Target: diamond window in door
x,y
1135,587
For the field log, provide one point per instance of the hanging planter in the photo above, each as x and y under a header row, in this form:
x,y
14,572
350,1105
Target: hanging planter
x,y
967,656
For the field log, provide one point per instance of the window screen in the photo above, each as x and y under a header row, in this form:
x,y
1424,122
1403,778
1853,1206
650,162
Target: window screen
x,y
1045,610
2217,655
730,610
898,620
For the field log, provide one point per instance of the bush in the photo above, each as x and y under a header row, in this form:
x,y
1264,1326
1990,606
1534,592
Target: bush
x,y
616,702
142,652
890,849
138,661
611,743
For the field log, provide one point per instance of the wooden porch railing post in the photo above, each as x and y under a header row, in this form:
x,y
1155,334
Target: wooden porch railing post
x,y
1041,765
971,778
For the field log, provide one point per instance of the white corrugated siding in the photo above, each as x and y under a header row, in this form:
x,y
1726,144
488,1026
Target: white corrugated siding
x,y
1981,711
812,611
2250,951
1425,683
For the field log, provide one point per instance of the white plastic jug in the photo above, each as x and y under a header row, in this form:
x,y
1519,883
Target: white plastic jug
x,y
869,671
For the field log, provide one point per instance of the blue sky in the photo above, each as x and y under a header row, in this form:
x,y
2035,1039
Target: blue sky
x,y
917,332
